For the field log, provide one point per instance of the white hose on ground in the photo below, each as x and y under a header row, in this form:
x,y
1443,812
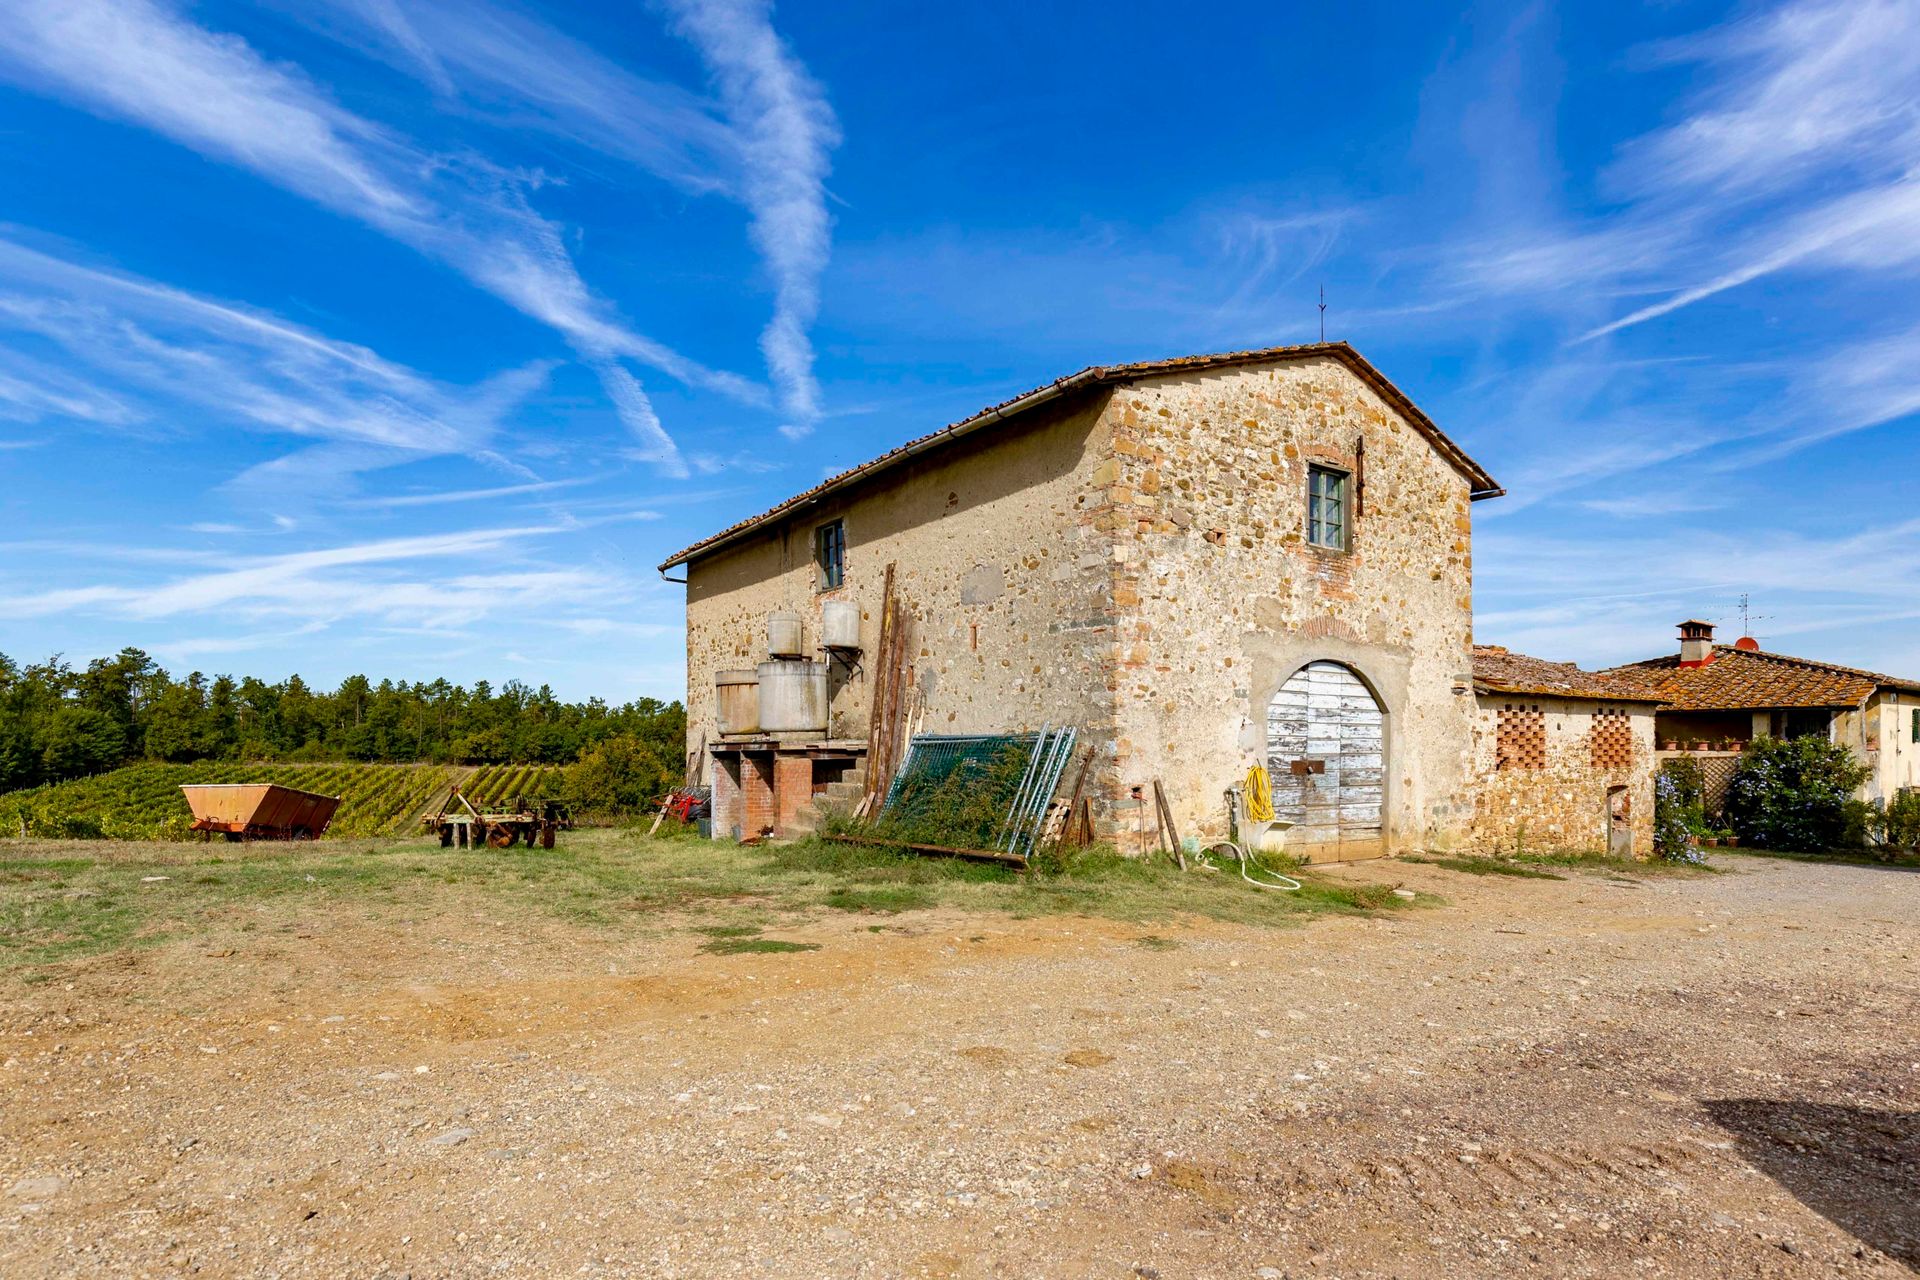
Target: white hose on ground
x,y
1242,854
1245,858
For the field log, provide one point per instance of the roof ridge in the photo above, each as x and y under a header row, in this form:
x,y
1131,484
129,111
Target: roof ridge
x,y
1878,677
1481,484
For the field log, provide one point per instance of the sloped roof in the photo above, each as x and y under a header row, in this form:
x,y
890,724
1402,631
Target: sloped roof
x,y
1483,485
1744,679
1495,670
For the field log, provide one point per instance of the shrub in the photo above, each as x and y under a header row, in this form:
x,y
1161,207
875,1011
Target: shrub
x,y
1903,819
1793,795
1672,826
622,776
1692,785
1864,824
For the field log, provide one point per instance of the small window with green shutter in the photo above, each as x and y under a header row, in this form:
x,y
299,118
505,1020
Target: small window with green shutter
x,y
1327,508
830,555
1916,724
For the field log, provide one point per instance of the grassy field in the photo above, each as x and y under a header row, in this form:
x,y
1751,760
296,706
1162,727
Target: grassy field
x,y
143,801
62,900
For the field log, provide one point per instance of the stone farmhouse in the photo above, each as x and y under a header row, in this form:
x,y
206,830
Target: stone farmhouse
x,y
1716,698
1200,563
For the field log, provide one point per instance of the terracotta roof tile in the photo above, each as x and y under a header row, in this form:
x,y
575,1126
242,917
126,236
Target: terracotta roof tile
x,y
1483,484
1743,679
1495,670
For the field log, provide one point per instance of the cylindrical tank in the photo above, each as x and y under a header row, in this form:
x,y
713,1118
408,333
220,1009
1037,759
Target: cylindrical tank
x,y
784,635
840,624
793,697
736,702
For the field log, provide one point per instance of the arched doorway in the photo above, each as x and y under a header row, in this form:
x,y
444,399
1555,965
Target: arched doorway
x,y
1326,752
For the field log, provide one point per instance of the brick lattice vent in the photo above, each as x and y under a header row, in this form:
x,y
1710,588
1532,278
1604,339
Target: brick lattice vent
x,y
1612,739
1522,739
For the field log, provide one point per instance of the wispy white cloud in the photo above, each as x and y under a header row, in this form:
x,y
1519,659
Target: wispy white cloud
x,y
1800,89
501,63
1269,251
140,61
786,132
365,580
148,348
463,495
1872,230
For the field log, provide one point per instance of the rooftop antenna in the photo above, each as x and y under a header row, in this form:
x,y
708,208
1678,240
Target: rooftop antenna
x,y
1323,315
1748,617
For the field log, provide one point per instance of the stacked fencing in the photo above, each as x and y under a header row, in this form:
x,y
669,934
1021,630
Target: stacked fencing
x,y
976,791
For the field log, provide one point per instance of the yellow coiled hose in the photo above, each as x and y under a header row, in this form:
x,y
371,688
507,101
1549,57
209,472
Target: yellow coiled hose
x,y
1258,795
1256,798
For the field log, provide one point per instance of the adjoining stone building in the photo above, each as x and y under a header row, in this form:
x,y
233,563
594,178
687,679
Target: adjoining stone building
x,y
1562,758
1716,698
1200,563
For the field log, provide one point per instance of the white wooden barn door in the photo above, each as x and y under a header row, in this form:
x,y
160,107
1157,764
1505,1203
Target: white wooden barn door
x,y
1326,755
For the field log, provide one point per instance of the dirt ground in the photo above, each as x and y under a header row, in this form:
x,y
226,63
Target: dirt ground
x,y
1591,1077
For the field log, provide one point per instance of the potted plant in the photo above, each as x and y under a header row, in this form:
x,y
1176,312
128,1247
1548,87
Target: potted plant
x,y
1671,744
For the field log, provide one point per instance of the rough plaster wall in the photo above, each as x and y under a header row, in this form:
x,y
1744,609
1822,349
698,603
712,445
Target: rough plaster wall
x,y
1899,755
1219,599
1859,730
1561,806
1007,579
1881,736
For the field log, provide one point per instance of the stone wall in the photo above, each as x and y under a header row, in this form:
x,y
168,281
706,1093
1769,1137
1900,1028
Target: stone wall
x,y
1007,580
1133,562
1220,598
1562,803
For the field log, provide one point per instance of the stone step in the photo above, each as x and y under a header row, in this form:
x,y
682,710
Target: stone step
x,y
842,795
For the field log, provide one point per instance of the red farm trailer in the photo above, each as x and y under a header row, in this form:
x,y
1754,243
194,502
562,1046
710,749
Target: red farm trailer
x,y
259,811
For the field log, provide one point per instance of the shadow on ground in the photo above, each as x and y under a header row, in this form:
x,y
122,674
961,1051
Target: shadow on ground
x,y
1857,1167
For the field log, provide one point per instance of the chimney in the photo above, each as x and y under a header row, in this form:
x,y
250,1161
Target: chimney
x,y
1696,643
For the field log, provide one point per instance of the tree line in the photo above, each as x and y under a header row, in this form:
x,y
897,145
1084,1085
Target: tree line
x,y
57,722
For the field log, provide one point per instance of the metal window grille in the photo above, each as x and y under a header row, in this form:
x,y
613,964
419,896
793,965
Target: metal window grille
x,y
1327,508
830,552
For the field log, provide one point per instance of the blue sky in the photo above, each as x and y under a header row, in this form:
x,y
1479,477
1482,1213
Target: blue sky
x,y
407,336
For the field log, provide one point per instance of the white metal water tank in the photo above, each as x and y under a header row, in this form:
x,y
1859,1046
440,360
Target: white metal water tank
x,y
840,624
736,702
784,635
793,697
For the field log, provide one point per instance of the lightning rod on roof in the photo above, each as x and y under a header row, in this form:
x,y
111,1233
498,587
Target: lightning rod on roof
x,y
1323,314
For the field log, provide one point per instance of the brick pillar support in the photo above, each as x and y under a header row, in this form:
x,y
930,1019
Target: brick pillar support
x,y
756,793
792,787
729,817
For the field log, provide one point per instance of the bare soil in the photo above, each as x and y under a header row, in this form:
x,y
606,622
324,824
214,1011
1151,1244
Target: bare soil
x,y
1589,1077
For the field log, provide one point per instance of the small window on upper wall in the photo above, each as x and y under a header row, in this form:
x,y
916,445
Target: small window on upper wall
x,y
1916,725
1327,508
830,554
